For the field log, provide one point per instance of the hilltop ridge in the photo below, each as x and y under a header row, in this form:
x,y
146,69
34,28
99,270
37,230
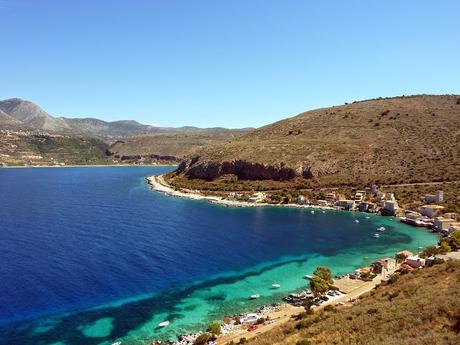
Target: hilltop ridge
x,y
385,140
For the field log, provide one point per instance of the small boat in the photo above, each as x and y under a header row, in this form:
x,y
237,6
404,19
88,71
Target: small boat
x,y
312,212
117,343
307,276
163,324
368,217
356,221
324,211
255,296
381,229
376,235
276,286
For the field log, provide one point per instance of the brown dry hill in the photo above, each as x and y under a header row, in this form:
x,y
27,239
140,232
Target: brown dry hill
x,y
171,145
421,307
391,140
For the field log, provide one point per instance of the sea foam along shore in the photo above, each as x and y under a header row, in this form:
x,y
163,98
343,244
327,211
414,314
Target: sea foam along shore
x,y
160,185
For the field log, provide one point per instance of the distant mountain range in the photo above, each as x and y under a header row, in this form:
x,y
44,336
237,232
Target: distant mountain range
x,y
19,112
29,135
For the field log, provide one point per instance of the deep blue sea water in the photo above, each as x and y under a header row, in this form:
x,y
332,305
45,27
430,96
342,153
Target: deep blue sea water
x,y
91,255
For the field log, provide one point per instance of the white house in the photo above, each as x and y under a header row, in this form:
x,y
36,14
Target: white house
x,y
431,211
415,261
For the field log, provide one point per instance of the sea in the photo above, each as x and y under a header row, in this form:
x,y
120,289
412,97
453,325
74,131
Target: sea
x,y
92,256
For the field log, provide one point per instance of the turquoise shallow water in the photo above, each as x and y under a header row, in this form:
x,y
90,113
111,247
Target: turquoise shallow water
x,y
91,256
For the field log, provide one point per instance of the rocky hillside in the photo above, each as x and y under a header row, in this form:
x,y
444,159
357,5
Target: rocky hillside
x,y
170,146
391,140
19,146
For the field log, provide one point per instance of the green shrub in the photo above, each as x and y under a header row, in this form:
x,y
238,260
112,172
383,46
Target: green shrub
x,y
202,339
214,328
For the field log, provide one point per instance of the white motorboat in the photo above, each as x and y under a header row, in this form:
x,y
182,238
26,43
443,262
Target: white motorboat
x,y
381,229
276,286
255,296
376,235
356,221
163,324
312,212
117,343
307,276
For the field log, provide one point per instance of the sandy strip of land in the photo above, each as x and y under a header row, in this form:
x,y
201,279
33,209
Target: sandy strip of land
x,y
159,184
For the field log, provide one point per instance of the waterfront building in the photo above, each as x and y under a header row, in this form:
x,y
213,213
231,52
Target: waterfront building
x,y
442,224
415,261
431,211
346,204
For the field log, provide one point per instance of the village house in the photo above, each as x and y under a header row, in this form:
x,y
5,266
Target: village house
x,y
442,224
331,198
436,198
431,211
415,261
384,265
390,208
345,204
367,207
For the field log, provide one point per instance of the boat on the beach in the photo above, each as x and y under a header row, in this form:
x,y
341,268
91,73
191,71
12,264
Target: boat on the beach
x,y
381,229
255,296
163,324
276,286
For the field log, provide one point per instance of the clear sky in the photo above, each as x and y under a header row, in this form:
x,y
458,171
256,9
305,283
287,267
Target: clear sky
x,y
223,63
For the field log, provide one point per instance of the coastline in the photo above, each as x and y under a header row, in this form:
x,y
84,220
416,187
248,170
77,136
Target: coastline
x,y
284,312
158,184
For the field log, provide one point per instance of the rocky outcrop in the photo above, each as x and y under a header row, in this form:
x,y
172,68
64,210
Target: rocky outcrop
x,y
244,170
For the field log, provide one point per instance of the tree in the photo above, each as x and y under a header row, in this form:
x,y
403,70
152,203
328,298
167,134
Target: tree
x,y
444,247
454,240
324,273
318,285
214,328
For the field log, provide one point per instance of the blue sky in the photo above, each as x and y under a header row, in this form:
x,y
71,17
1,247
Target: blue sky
x,y
223,63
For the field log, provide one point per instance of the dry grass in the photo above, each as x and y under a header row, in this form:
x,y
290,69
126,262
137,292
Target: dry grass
x,y
383,141
175,143
422,307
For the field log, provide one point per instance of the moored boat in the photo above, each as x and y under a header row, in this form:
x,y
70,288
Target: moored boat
x,y
255,296
276,286
163,324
